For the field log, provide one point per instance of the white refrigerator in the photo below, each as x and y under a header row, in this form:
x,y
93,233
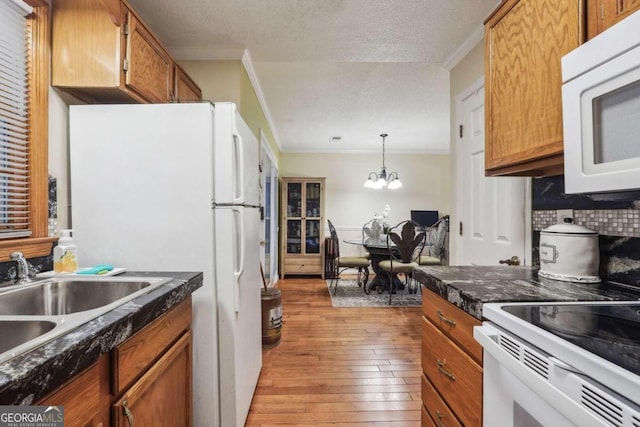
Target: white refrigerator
x,y
174,187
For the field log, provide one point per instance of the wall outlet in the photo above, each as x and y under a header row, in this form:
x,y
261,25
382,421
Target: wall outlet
x,y
561,214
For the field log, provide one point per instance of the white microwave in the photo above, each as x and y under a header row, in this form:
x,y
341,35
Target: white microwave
x,y
601,111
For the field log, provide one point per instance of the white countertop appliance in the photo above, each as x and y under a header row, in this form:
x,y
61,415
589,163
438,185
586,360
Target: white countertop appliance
x,y
561,364
569,252
601,111
174,187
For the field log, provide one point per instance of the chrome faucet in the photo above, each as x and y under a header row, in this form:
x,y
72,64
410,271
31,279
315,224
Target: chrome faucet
x,y
22,275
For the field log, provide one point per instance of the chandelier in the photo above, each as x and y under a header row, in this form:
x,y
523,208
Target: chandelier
x,y
382,180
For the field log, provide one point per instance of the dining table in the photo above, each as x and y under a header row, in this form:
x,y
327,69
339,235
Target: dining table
x,y
379,250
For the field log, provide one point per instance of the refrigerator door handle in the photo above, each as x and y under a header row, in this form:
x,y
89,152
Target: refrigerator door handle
x,y
241,254
239,167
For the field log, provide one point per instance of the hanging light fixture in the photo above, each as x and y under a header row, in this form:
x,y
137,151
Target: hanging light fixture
x,y
382,180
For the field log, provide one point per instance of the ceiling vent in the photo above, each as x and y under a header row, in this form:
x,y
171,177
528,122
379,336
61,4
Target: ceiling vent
x,y
335,139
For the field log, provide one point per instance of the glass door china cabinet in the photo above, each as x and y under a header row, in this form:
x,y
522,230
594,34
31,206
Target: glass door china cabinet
x,y
302,225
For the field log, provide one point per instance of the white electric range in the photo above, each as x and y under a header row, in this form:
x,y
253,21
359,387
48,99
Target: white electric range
x,y
561,364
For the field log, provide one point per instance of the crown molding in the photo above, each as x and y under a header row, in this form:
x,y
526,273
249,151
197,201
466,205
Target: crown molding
x,y
205,54
452,60
255,82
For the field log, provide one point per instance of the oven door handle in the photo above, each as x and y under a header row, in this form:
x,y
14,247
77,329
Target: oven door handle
x,y
487,335
564,366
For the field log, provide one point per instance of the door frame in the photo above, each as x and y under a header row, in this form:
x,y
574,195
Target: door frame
x,y
458,190
265,149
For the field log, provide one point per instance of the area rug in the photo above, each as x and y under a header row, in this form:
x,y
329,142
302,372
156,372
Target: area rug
x,y
349,294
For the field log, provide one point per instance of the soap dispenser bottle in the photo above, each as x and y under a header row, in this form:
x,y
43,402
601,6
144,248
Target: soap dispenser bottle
x,y
65,255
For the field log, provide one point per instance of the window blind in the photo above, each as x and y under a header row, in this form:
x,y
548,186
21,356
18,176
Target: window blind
x,y
14,119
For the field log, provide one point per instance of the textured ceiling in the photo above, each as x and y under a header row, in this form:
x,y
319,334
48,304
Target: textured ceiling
x,y
349,68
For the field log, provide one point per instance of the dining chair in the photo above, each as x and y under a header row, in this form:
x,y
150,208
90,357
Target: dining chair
x,y
434,243
340,263
404,250
372,230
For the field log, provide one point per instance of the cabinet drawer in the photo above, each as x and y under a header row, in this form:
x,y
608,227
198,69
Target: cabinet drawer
x,y
303,265
436,407
80,397
131,358
426,420
453,321
454,374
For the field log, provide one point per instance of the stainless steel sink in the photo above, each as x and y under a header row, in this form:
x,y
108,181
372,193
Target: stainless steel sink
x,y
32,314
58,297
17,332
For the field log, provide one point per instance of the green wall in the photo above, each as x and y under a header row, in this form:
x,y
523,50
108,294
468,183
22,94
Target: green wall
x,y
228,81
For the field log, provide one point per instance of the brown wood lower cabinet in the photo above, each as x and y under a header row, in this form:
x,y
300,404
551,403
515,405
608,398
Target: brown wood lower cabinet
x,y
438,410
82,397
162,396
145,381
452,380
426,419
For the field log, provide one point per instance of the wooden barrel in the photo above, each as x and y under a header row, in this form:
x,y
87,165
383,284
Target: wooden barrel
x,y
271,317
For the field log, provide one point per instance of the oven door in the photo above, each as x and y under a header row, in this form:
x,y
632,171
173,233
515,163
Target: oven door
x,y
515,395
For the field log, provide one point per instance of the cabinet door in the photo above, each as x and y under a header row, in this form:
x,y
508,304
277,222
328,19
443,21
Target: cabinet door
x,y
149,66
524,41
602,14
313,213
90,60
294,218
162,396
185,89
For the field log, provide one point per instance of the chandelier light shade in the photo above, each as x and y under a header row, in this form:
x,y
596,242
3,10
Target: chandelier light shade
x,y
382,180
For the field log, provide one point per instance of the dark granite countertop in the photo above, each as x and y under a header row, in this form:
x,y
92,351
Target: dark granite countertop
x,y
468,287
31,376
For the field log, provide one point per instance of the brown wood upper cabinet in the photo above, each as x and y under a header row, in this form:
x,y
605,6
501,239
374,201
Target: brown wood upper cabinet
x,y
147,67
524,41
185,89
104,52
602,14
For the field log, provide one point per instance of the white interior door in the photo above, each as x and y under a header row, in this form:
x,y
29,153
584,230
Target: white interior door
x,y
491,211
269,203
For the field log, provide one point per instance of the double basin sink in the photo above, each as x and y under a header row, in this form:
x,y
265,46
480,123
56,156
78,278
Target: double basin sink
x,y
35,313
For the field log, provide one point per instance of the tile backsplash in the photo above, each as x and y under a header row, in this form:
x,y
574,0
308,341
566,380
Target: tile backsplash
x,y
611,222
615,216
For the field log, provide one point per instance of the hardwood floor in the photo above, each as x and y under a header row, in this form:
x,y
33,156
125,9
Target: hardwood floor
x,y
339,367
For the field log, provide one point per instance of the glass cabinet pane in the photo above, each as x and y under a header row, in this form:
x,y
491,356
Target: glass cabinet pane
x,y
312,237
294,228
294,200
312,207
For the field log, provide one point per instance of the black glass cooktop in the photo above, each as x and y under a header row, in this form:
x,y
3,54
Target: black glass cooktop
x,y
610,331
